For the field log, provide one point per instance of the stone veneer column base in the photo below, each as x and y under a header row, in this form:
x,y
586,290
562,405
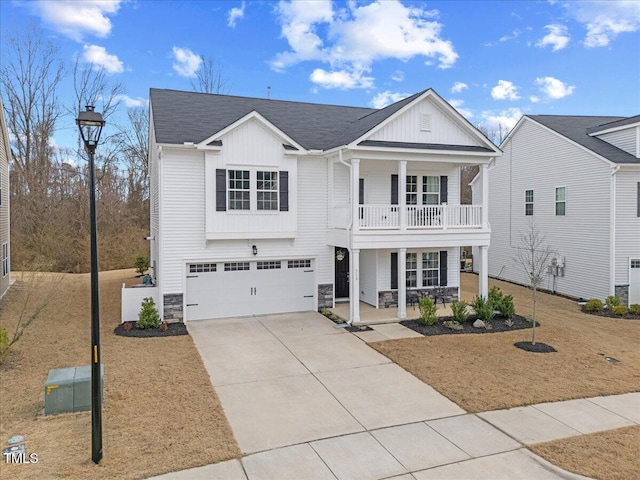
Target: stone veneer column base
x,y
173,306
325,295
622,292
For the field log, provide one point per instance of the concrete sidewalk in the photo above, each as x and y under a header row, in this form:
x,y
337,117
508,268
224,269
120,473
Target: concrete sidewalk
x,y
307,400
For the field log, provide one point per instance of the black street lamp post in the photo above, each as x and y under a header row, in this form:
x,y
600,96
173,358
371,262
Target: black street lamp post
x,y
90,124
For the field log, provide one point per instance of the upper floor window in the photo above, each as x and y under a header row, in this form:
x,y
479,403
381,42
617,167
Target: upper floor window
x,y
239,190
431,190
528,203
267,190
412,190
561,201
430,269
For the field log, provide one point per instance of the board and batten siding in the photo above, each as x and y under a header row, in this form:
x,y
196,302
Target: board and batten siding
x,y
442,129
626,139
627,222
535,158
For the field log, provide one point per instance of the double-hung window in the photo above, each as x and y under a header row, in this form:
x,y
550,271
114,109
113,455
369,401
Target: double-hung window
x,y
412,270
267,190
239,190
561,201
5,259
412,189
430,269
431,190
528,203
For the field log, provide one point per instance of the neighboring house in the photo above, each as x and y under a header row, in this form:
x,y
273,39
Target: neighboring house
x,y
578,179
261,206
5,156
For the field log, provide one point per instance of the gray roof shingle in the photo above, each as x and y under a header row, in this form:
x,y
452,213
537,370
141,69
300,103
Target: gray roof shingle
x,y
576,128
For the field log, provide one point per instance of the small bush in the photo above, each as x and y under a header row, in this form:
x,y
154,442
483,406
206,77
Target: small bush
x,y
506,307
4,345
635,309
428,311
459,311
611,302
593,305
483,308
495,296
148,316
620,310
164,326
127,326
142,263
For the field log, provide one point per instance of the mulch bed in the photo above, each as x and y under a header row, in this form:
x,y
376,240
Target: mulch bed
x,y
610,314
537,348
175,329
497,325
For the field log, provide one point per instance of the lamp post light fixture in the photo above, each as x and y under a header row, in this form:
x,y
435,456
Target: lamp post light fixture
x,y
90,124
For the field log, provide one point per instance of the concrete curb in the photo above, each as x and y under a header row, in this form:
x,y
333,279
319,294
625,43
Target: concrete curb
x,y
557,470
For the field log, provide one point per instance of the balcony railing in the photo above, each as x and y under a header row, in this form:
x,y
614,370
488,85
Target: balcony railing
x,y
384,217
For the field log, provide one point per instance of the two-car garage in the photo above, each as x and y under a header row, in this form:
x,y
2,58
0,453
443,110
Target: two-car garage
x,y
252,287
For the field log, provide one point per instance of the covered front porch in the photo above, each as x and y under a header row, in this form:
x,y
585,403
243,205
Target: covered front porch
x,y
370,315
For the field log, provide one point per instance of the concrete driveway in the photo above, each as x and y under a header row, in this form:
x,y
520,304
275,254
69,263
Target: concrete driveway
x,y
307,400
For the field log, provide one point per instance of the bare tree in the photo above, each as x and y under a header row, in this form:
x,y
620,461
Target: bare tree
x,y
533,257
496,135
467,174
208,78
134,148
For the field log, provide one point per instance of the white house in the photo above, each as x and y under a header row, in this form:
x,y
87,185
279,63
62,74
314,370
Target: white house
x,y
5,241
578,179
261,206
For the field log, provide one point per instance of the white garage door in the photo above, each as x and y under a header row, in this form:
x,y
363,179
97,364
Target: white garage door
x,y
233,289
634,281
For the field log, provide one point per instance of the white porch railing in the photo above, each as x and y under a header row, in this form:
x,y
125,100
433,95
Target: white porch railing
x,y
377,217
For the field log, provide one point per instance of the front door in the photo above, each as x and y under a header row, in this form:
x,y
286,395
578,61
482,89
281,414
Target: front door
x,y
342,272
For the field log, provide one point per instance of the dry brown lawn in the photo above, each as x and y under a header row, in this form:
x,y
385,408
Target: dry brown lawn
x,y
160,411
611,455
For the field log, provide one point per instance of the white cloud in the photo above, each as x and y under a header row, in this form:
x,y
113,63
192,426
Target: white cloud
x,y
130,102
382,99
398,76
235,14
505,90
457,104
341,79
605,20
505,119
77,18
99,57
515,34
534,99
459,87
554,88
558,37
186,62
355,36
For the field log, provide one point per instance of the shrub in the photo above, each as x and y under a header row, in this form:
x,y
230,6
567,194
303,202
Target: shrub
x,y
620,310
127,326
612,301
506,307
142,263
459,311
483,308
148,316
495,296
593,305
164,326
428,311
4,345
634,309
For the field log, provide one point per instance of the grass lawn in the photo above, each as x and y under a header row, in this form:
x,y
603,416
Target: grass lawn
x,y
160,411
486,372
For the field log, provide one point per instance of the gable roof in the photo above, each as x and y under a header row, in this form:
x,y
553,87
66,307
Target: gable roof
x,y
614,125
180,117
577,128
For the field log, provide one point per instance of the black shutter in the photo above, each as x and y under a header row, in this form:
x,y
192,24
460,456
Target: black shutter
x,y
394,189
284,191
443,268
221,190
394,270
361,192
444,189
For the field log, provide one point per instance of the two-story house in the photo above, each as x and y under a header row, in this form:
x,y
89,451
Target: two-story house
x,y
5,241
261,206
578,179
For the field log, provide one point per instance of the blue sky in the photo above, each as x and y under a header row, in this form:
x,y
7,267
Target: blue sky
x,y
494,61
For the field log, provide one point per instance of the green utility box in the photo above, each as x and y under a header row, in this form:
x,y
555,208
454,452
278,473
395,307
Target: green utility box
x,y
69,389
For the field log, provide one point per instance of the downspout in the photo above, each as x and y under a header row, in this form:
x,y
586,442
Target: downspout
x,y
350,226
612,232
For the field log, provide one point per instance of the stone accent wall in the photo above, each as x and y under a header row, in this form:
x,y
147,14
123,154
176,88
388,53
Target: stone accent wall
x,y
325,295
173,307
622,292
389,298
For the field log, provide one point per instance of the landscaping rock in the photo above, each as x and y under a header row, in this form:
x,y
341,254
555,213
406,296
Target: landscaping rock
x,y
479,324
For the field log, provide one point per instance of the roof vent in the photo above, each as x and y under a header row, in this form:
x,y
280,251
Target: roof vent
x,y
425,122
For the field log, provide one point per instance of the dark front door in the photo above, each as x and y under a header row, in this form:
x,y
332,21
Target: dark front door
x,y
342,272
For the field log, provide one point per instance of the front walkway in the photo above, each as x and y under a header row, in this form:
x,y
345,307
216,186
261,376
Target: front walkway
x,y
307,400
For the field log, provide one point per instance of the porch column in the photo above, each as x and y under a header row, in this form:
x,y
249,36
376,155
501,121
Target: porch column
x,y
355,189
402,193
402,283
483,277
484,176
354,285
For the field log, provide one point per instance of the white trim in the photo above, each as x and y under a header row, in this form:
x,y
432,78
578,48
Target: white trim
x,y
422,151
555,201
615,129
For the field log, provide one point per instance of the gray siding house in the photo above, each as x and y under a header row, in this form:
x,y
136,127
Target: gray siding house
x,y
5,156
578,179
